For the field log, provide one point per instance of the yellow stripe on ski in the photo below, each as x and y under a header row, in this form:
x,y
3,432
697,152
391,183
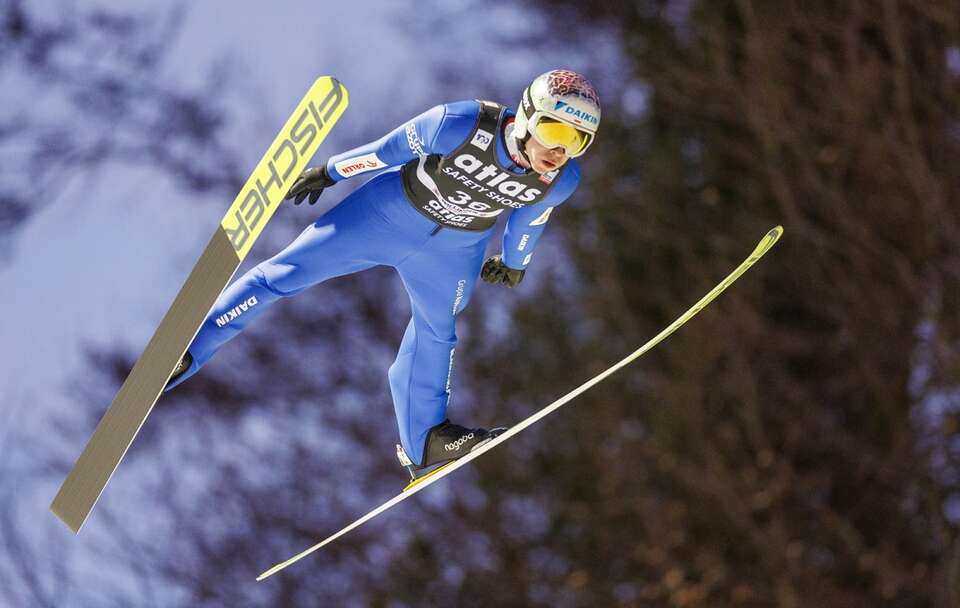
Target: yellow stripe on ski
x,y
286,159
423,478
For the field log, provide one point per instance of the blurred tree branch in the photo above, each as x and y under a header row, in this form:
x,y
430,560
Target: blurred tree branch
x,y
811,404
86,86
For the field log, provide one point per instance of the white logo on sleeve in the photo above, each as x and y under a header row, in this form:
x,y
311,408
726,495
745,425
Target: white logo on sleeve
x,y
482,139
413,140
526,260
543,217
359,164
236,311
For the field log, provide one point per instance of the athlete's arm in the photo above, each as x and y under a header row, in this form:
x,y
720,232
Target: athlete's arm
x,y
526,225
439,130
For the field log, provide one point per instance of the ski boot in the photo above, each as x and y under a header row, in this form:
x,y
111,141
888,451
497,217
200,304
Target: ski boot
x,y
447,442
181,367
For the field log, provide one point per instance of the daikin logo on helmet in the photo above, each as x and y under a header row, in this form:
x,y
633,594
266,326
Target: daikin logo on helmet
x,y
568,109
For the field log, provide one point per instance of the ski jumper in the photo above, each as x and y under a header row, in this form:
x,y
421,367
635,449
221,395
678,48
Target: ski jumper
x,y
443,179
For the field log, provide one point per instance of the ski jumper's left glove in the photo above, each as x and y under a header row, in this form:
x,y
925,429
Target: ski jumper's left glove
x,y
495,271
311,182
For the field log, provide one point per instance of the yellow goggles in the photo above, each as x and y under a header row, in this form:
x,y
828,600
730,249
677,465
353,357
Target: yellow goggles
x,y
553,133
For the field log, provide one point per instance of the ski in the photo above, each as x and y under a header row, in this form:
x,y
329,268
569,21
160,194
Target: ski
x,y
439,473
246,218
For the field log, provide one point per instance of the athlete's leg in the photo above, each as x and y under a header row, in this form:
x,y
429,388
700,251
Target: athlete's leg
x,y
440,285
350,237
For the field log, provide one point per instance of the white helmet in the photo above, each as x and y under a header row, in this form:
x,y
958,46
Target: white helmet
x,y
560,96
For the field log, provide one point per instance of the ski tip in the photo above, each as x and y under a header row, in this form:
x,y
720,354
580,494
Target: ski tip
x,y
336,82
770,238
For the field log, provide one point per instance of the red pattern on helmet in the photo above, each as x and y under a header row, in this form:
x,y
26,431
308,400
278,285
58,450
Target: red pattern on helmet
x,y
566,82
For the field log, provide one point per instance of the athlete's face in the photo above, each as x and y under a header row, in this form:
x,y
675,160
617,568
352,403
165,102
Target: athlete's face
x,y
544,159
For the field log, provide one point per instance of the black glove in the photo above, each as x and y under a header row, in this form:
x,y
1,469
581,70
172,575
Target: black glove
x,y
495,271
312,182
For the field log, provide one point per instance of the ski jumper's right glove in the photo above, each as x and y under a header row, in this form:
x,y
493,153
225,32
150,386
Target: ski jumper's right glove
x,y
311,182
495,271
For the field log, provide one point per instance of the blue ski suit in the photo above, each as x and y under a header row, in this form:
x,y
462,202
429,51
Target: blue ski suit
x,y
379,224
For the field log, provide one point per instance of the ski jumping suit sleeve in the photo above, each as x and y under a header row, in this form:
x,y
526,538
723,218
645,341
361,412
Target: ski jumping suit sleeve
x,y
379,224
526,225
438,130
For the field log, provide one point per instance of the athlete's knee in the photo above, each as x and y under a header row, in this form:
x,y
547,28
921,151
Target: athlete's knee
x,y
270,275
440,329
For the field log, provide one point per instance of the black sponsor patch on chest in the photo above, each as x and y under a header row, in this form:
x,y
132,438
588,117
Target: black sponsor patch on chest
x,y
468,188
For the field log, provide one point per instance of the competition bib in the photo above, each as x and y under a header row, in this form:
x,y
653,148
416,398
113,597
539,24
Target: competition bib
x,y
467,189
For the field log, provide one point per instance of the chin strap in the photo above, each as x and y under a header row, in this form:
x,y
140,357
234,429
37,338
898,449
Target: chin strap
x,y
515,146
